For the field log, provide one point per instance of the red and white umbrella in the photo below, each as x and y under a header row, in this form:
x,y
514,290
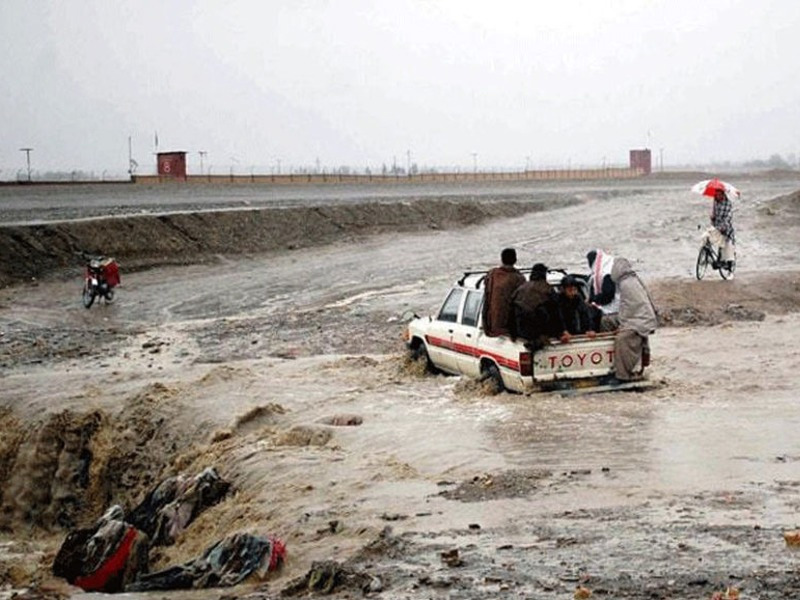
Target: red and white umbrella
x,y
709,187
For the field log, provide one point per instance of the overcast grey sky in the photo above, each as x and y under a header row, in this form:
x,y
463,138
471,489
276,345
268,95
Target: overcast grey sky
x,y
357,83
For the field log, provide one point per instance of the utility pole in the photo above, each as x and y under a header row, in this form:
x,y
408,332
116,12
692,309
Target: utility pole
x,y
408,163
27,152
661,159
202,154
474,162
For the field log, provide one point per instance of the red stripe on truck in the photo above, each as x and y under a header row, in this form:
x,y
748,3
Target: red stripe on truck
x,y
472,351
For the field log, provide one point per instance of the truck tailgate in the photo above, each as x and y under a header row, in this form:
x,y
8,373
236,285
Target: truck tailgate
x,y
580,358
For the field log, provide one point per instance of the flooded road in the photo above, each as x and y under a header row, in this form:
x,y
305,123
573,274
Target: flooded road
x,y
678,491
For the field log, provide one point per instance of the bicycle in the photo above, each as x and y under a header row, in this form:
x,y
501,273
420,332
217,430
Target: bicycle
x,y
710,255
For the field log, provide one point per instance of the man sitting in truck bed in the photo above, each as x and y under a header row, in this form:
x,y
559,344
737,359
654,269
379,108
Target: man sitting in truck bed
x,y
499,286
573,312
534,304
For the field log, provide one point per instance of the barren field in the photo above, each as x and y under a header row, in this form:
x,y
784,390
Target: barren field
x,y
255,363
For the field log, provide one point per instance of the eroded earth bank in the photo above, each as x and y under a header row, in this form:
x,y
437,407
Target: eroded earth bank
x,y
285,371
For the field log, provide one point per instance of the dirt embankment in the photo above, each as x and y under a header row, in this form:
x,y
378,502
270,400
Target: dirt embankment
x,y
182,238
787,208
681,302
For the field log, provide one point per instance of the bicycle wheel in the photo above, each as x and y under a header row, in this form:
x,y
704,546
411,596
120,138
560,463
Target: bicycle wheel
x,y
88,295
725,271
703,259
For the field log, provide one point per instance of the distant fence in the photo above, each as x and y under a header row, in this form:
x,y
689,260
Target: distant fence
x,y
317,178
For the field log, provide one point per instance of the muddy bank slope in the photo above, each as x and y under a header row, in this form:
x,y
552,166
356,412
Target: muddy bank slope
x,y
180,238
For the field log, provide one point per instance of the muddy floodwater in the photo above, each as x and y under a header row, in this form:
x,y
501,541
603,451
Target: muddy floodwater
x,y
286,371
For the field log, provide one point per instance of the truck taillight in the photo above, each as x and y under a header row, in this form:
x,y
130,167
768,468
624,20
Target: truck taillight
x,y
525,363
406,334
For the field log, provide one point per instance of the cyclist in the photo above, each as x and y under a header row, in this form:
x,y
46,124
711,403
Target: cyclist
x,y
722,220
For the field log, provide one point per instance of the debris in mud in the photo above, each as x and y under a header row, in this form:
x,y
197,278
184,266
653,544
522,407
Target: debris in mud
x,y
510,484
343,420
177,501
224,564
731,593
792,538
105,557
386,545
582,593
113,554
327,577
738,312
452,558
154,346
393,517
334,526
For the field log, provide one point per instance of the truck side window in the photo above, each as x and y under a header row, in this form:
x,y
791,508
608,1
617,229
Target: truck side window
x,y
472,308
449,310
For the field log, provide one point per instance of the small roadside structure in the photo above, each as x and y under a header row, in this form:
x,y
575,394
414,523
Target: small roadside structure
x,y
171,166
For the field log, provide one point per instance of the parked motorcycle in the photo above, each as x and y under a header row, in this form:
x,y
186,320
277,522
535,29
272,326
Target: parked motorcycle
x,y
99,279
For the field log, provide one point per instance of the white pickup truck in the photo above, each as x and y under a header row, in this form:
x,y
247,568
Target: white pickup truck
x,y
453,341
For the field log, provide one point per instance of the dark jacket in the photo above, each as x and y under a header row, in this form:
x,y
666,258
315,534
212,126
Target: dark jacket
x,y
533,306
607,291
574,315
498,312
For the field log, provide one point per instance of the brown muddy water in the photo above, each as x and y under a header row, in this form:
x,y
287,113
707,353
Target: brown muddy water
x,y
680,491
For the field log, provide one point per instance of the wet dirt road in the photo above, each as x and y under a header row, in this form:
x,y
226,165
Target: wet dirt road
x,y
674,493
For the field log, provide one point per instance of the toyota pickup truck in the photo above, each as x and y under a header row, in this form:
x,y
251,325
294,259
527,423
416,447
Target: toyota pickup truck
x,y
453,341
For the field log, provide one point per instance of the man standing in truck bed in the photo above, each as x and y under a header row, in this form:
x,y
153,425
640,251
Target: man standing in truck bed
x,y
499,287
637,320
